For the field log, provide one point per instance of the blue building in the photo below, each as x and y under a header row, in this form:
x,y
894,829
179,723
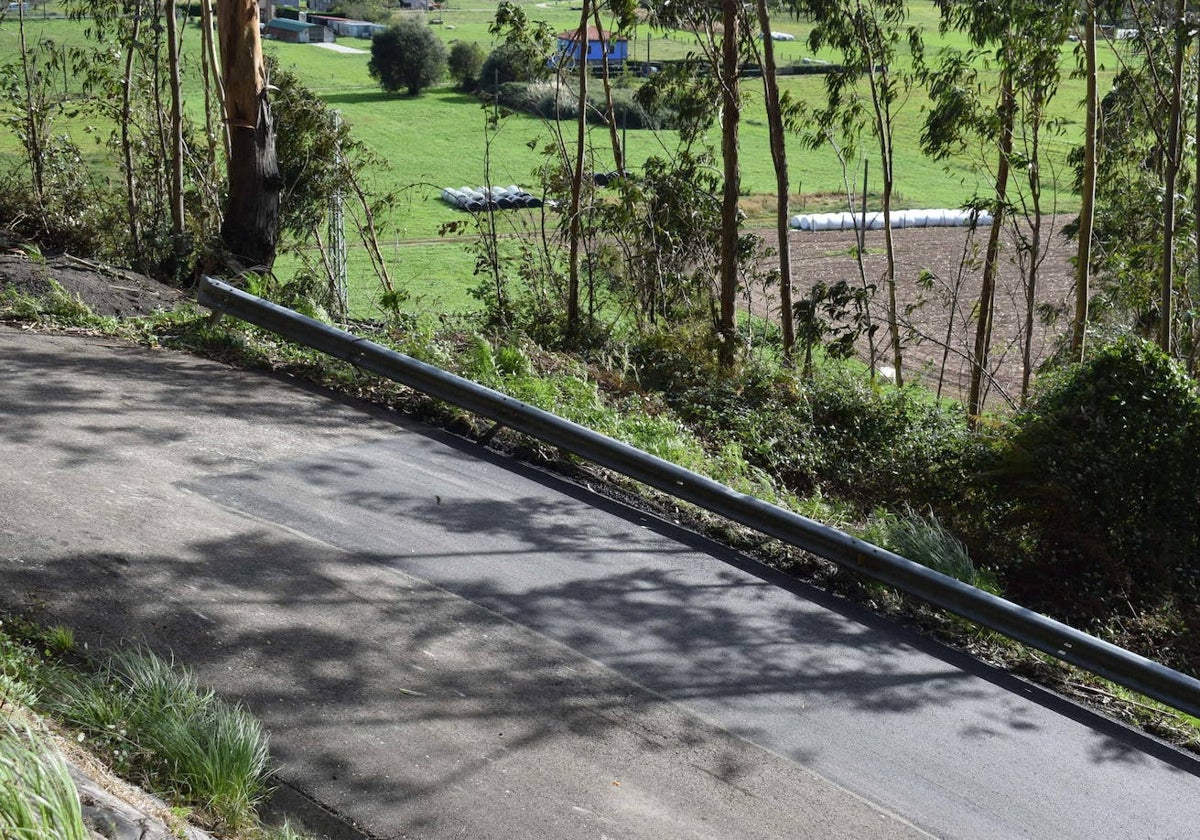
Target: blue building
x,y
598,43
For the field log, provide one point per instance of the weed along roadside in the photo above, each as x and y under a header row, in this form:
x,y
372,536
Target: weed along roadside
x,y
77,727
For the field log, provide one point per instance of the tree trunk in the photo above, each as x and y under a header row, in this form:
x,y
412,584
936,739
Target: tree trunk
x,y
987,291
1087,209
210,63
886,156
1192,339
610,111
782,182
175,186
33,124
252,214
581,41
727,327
131,184
1166,314
1035,252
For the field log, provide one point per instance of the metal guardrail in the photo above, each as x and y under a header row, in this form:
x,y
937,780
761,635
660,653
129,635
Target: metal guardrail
x,y
1038,631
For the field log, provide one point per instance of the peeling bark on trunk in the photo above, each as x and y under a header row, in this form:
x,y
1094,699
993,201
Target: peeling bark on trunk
x,y
252,214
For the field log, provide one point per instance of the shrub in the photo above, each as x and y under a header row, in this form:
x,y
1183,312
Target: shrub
x,y
510,63
877,444
466,64
552,101
409,55
1103,477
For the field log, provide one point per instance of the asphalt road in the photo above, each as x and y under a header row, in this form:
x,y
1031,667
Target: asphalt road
x,y
446,644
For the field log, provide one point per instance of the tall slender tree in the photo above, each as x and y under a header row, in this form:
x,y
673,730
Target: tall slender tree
x,y
730,80
175,143
252,212
775,126
576,207
1174,163
869,36
1087,182
717,25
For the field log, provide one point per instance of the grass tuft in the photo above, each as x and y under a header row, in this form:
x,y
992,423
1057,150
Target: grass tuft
x,y
38,799
925,540
149,713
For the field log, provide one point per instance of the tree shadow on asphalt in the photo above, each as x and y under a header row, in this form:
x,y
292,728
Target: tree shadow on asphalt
x,y
348,647
352,653
41,383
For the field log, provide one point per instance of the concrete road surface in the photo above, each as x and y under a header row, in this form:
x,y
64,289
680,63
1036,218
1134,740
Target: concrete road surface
x,y
445,644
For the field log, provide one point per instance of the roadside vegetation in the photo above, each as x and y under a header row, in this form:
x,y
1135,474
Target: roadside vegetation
x,y
622,302
145,717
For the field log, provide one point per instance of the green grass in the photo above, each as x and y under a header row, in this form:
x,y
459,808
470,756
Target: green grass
x,y
146,717
440,139
38,799
153,714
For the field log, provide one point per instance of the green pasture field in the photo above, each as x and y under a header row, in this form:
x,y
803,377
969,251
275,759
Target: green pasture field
x,y
441,139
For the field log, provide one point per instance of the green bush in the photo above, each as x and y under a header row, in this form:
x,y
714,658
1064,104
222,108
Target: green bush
x,y
510,63
877,444
408,55
1101,477
836,433
466,64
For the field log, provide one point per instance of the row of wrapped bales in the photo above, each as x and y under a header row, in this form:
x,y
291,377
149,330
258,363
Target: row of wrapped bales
x,y
900,219
476,200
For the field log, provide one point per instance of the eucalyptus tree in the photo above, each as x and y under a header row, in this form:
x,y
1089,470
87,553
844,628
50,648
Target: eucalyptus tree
x,y
870,38
1041,29
175,144
623,13
1141,165
251,222
574,211
1087,180
717,26
622,16
1021,40
775,106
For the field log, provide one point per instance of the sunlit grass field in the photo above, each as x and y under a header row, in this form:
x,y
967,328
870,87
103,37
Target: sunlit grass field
x,y
442,138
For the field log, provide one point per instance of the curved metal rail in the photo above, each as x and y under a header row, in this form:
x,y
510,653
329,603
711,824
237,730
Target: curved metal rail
x,y
1136,672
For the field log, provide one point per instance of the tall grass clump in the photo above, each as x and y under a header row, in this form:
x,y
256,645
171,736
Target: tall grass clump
x,y
151,714
923,539
38,799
